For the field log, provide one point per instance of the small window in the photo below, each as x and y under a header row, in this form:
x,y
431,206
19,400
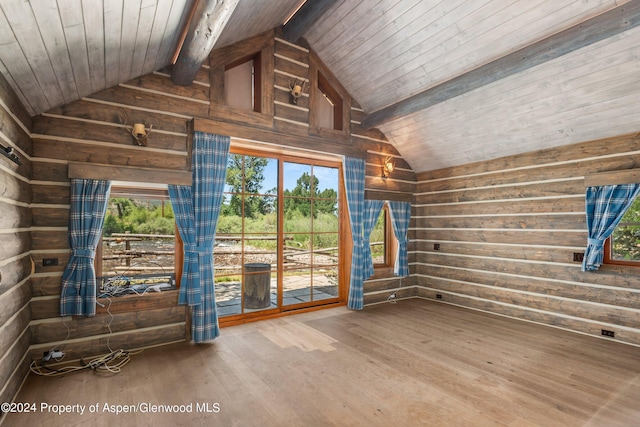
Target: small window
x,y
242,84
329,103
623,247
137,252
382,240
329,106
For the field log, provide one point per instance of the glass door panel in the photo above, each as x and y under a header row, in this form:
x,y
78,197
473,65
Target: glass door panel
x,y
277,236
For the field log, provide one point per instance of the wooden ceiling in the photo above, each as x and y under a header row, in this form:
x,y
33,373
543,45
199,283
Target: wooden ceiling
x,y
383,51
54,52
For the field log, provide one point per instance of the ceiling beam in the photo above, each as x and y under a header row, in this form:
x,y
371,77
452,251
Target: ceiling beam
x,y
304,17
209,19
590,31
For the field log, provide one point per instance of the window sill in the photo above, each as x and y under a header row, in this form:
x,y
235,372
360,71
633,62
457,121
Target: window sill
x,y
257,119
382,273
619,268
131,303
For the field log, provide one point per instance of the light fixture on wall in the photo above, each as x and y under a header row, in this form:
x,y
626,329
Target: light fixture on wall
x,y
9,154
387,167
296,90
140,133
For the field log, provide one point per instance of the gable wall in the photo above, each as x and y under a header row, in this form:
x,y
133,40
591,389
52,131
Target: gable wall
x,y
93,130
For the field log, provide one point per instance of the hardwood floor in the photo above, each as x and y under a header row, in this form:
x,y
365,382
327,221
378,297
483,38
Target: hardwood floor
x,y
406,364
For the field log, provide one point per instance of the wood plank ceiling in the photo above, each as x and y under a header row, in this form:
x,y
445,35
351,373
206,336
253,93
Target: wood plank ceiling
x,y
383,51
53,52
388,51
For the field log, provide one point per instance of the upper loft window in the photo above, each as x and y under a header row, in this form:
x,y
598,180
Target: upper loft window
x,y
242,88
328,106
623,247
329,103
242,79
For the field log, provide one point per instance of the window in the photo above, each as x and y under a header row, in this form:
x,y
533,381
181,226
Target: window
x,y
311,224
382,240
242,88
623,247
138,248
278,239
328,106
329,103
241,77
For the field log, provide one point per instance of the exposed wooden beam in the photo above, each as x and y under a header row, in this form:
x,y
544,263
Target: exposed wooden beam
x,y
304,18
588,32
208,21
128,173
272,136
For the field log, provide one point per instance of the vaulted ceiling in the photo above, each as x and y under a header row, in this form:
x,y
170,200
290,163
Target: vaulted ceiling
x,y
439,77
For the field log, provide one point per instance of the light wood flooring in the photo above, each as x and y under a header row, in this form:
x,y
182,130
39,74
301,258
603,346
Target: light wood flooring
x,y
413,363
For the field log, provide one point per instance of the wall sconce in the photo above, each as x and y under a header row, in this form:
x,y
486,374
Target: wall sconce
x,y
296,91
387,167
9,154
140,134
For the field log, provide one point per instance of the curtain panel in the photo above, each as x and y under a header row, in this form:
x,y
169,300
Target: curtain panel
x,y
89,200
197,209
605,207
354,171
371,212
182,203
400,217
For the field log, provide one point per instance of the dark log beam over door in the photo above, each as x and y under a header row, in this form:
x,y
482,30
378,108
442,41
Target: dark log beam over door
x,y
209,19
309,13
601,27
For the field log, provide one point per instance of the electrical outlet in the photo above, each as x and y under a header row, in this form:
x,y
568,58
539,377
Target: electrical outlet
x,y
52,354
438,296
436,246
607,333
578,256
49,262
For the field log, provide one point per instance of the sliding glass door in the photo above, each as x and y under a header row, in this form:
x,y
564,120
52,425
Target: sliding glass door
x,y
311,225
277,244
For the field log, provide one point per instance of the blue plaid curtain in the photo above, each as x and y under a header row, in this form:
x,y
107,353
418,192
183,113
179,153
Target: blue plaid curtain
x,y
400,217
197,210
605,208
182,202
88,206
371,212
354,183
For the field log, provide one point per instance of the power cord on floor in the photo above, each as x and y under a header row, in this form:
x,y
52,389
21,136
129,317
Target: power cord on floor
x,y
392,298
111,362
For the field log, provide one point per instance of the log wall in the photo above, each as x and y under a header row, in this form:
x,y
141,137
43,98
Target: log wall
x,y
93,130
506,232
15,244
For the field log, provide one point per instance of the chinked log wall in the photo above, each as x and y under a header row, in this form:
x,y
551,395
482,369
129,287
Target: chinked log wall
x,y
15,244
507,231
92,130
